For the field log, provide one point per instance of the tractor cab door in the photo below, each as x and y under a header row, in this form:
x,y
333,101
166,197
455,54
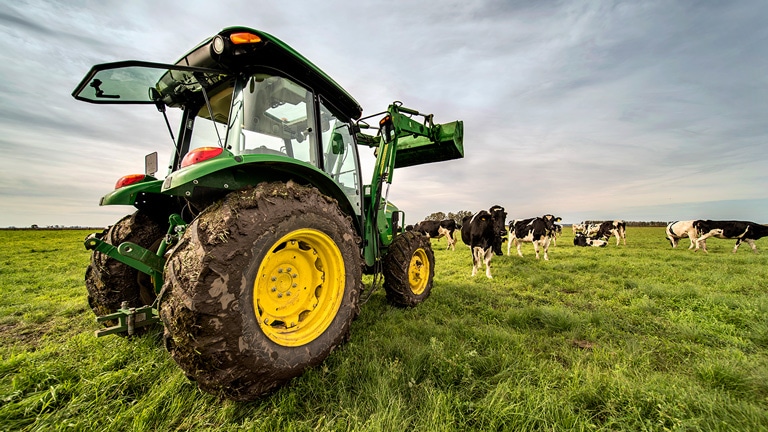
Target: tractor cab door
x,y
340,158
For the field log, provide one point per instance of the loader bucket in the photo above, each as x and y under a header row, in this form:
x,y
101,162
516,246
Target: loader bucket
x,y
417,150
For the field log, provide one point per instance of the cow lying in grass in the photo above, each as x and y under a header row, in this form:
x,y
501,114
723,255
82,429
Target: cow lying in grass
x,y
581,240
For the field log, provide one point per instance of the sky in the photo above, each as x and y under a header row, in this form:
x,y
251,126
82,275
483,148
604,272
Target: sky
x,y
588,110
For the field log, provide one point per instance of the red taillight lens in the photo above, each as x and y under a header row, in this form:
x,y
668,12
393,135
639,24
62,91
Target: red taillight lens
x,y
200,154
129,180
244,38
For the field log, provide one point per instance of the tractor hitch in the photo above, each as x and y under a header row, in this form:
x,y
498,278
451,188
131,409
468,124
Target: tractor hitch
x,y
128,320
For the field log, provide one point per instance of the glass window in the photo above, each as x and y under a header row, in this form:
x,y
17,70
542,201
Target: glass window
x,y
340,156
211,130
274,115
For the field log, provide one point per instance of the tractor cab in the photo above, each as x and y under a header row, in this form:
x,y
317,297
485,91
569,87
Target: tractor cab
x,y
236,115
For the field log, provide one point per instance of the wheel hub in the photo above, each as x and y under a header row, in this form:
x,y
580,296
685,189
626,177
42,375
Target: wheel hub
x,y
299,287
418,271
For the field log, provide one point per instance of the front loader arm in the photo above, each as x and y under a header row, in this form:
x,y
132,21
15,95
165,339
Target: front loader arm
x,y
402,141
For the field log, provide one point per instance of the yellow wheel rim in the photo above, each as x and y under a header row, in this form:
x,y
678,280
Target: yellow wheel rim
x,y
418,271
299,287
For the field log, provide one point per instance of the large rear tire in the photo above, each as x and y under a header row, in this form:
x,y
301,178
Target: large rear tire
x,y
110,282
409,267
261,286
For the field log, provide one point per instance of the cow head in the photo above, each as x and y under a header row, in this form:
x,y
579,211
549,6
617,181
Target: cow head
x,y
550,220
701,227
499,217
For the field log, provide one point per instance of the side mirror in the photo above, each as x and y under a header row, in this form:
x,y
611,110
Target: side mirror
x,y
150,164
337,143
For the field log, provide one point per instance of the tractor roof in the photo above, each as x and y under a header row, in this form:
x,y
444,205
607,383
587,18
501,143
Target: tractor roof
x,y
243,49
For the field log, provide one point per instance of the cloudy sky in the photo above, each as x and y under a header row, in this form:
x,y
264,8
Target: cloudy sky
x,y
639,110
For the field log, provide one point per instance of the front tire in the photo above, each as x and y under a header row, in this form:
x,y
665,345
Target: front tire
x,y
262,286
409,267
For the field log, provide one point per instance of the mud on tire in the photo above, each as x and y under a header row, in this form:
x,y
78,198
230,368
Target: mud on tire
x,y
262,285
110,282
409,267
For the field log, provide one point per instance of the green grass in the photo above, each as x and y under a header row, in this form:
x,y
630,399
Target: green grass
x,y
636,337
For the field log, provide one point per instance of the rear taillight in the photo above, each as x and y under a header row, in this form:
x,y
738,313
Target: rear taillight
x,y
129,180
200,154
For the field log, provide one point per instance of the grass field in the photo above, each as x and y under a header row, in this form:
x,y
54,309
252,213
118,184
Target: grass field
x,y
636,337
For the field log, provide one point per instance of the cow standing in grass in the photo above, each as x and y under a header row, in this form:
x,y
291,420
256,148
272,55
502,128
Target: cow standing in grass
x,y
538,230
609,228
681,229
484,233
438,229
739,230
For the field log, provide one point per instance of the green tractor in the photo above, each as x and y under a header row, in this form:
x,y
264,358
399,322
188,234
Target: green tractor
x,y
251,250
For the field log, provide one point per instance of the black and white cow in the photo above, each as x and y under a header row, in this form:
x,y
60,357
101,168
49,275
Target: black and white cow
x,y
681,229
739,230
484,233
590,230
581,240
538,230
438,229
609,228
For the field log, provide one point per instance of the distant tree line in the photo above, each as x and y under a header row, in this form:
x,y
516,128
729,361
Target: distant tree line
x,y
457,217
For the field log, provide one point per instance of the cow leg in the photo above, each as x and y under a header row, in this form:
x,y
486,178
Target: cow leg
x,y
536,248
477,259
615,232
509,245
752,245
451,241
519,245
694,240
546,248
738,243
702,240
448,237
488,256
